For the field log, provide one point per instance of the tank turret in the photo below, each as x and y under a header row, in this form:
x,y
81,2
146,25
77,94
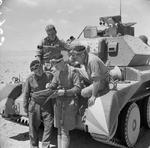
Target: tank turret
x,y
115,43
111,26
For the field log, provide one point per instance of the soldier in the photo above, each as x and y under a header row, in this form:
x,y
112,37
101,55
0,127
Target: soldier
x,y
35,82
67,82
94,74
50,47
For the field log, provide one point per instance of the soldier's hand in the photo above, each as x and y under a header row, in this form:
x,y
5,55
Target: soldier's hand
x,y
47,85
91,101
60,92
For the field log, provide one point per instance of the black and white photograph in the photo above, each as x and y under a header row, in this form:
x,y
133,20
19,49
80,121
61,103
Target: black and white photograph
x,y
74,74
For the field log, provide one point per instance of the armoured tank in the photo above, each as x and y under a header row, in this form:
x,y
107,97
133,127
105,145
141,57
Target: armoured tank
x,y
116,117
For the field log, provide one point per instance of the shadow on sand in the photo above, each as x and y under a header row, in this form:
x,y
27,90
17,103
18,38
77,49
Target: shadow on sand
x,y
80,139
21,137
25,136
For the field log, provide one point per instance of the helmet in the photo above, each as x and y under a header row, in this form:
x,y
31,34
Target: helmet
x,y
144,38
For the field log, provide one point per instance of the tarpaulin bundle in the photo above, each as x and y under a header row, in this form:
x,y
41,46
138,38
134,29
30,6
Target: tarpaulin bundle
x,y
42,97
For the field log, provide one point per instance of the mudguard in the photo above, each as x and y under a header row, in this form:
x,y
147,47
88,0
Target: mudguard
x,y
11,91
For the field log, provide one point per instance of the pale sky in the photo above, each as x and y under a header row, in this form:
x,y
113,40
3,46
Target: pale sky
x,y
25,20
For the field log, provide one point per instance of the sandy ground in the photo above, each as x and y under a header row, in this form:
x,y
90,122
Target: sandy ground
x,y
14,135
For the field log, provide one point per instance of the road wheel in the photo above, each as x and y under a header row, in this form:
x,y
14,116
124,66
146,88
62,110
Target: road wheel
x,y
146,112
130,124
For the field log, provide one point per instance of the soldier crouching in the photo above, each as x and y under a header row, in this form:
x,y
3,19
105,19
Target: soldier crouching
x,y
94,73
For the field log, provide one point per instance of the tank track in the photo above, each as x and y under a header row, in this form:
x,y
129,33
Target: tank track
x,y
18,119
113,142
21,120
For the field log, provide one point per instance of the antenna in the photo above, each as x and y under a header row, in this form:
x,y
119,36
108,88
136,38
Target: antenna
x,y
120,9
81,33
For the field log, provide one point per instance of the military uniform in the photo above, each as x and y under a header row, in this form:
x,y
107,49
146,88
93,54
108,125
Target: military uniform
x,y
95,73
45,53
36,113
94,68
50,47
66,107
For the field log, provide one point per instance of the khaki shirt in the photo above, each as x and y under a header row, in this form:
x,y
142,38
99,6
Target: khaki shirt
x,y
48,53
35,83
95,68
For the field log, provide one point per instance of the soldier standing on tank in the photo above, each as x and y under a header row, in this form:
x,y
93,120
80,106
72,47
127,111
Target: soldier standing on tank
x,y
94,74
50,47
35,82
67,82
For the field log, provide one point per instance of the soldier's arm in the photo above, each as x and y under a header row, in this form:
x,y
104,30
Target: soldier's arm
x,y
76,85
54,83
96,86
26,98
50,78
96,78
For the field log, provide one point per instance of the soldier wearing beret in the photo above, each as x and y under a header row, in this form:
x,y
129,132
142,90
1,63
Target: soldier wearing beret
x,y
66,81
36,82
50,47
94,74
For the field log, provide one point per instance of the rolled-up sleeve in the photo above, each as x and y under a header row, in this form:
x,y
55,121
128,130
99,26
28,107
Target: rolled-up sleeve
x,y
54,83
95,69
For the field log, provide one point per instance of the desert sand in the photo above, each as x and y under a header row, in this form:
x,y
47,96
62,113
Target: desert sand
x,y
14,135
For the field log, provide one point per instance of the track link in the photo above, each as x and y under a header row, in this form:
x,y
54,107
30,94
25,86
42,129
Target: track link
x,y
18,119
21,120
113,142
